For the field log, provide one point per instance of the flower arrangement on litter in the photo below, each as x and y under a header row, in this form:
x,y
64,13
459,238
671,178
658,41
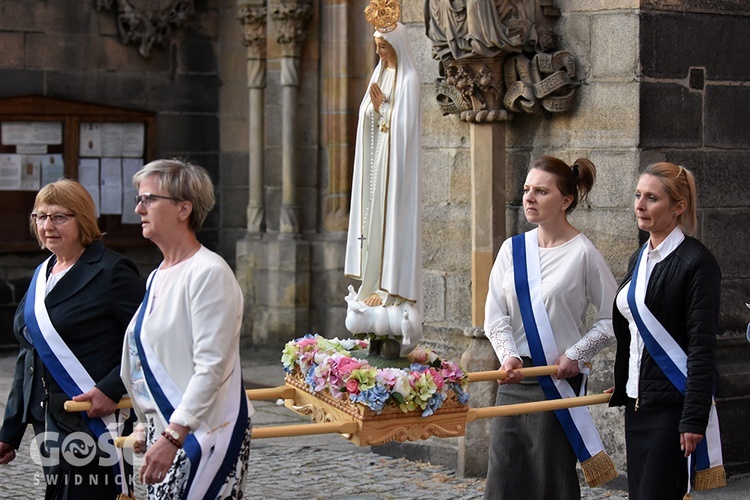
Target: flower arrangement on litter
x,y
328,365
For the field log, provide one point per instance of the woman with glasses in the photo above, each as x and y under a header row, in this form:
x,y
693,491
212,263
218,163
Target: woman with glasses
x,y
70,325
182,362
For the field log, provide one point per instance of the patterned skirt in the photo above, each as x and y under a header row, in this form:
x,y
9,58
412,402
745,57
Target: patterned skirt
x,y
175,484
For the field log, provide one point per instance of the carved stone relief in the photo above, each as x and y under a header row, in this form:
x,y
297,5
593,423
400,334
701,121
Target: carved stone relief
x,y
291,17
147,22
499,57
253,14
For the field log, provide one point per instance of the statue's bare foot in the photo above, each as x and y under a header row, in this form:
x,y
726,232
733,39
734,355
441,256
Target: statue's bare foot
x,y
373,300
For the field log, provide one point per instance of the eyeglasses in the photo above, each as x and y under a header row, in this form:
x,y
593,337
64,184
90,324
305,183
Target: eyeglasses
x,y
146,199
57,219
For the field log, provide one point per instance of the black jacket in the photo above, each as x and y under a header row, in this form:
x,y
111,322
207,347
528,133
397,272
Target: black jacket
x,y
90,308
683,294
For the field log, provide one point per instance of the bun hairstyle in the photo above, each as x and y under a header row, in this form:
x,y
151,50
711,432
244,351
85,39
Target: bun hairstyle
x,y
679,184
572,180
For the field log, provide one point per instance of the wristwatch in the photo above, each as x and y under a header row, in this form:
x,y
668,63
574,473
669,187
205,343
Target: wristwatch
x,y
175,435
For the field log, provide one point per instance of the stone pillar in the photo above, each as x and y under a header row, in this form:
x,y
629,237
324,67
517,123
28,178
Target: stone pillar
x,y
274,267
487,209
335,134
253,14
291,19
488,233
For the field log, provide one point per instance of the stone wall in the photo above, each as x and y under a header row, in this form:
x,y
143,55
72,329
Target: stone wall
x,y
695,90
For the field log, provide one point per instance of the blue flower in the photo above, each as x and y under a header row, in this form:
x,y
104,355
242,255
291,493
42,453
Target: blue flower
x,y
310,376
418,367
375,398
463,396
434,404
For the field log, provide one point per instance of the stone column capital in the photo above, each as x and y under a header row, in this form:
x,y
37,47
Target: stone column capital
x,y
291,18
253,15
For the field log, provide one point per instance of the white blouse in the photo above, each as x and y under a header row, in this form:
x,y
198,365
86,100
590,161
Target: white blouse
x,y
574,275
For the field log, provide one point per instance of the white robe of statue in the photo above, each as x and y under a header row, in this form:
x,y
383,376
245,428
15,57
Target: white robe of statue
x,y
384,243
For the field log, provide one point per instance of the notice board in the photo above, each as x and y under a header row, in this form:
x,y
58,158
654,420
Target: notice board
x,y
43,139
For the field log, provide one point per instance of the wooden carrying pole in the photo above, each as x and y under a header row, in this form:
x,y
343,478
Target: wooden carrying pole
x,y
532,371
536,406
278,431
281,392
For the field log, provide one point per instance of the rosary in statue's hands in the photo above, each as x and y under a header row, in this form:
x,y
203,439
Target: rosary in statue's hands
x,y
376,96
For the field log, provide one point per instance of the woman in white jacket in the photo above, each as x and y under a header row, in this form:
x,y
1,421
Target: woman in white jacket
x,y
181,364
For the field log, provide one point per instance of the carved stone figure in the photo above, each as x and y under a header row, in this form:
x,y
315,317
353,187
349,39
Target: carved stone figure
x,y
147,22
496,53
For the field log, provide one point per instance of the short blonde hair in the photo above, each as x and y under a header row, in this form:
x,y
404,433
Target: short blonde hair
x,y
184,181
76,199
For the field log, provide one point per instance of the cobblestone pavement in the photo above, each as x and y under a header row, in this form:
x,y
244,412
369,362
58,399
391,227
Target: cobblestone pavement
x,y
323,468
312,467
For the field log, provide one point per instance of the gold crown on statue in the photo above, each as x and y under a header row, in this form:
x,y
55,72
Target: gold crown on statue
x,y
383,14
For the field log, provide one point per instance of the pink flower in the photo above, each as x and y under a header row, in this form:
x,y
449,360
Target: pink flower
x,y
345,366
451,371
336,392
388,376
303,342
437,378
418,355
352,386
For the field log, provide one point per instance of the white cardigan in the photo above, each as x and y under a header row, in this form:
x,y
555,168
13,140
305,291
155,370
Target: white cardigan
x,y
195,333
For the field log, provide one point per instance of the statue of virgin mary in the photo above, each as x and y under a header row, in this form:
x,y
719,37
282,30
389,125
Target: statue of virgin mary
x,y
384,243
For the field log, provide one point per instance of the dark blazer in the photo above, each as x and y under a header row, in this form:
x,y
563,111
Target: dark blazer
x,y
90,308
683,294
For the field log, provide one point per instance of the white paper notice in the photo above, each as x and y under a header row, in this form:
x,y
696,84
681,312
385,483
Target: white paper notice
x,y
15,133
90,143
111,140
132,139
31,172
111,186
10,172
32,149
88,176
52,169
47,133
129,167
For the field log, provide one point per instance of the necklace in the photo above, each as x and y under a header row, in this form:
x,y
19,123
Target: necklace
x,y
377,142
184,256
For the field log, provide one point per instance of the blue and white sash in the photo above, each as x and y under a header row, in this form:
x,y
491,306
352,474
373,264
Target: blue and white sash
x,y
577,422
212,452
672,360
68,371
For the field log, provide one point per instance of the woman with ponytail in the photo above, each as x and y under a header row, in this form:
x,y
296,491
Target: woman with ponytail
x,y
666,319
540,288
